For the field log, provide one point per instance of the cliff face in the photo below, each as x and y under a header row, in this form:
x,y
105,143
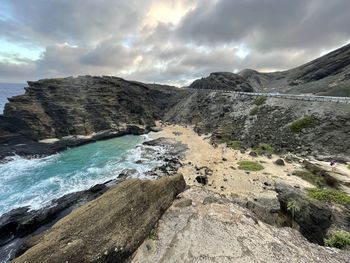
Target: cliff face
x,y
71,106
328,75
230,118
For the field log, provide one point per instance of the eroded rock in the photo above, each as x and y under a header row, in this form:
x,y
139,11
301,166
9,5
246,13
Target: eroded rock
x,y
109,228
213,229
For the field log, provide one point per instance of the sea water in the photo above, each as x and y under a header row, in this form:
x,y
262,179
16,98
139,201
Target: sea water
x,y
36,182
8,90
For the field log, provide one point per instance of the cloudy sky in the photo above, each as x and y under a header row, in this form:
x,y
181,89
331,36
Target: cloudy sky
x,y
169,41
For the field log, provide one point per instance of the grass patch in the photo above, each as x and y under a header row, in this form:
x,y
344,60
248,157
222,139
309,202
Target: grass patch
x,y
235,145
260,100
314,179
250,166
338,239
263,148
153,234
349,166
302,123
330,196
254,111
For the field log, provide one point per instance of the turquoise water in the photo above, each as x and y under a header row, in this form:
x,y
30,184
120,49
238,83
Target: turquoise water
x,y
36,182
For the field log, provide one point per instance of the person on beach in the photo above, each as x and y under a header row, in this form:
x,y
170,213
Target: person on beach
x,y
223,149
333,163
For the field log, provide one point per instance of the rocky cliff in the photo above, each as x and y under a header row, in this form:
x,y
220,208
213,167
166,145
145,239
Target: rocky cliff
x,y
108,229
319,128
327,75
56,108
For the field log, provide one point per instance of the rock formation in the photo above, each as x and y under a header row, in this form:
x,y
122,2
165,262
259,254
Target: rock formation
x,y
55,108
327,75
228,118
205,227
108,229
224,81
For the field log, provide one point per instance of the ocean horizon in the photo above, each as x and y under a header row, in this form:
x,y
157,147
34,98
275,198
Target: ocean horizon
x,y
8,90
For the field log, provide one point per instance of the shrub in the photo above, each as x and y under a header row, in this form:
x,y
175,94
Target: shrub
x,y
349,166
314,179
254,111
250,166
263,148
330,196
260,100
302,123
235,145
338,239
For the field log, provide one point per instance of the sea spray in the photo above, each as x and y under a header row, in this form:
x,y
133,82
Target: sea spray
x,y
36,182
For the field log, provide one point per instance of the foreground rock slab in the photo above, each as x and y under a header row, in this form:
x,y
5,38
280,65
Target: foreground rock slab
x,y
110,228
205,227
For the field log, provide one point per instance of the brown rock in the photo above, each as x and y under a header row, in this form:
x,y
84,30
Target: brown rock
x,y
110,228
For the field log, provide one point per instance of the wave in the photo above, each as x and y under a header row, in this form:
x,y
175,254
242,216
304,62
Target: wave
x,y
36,182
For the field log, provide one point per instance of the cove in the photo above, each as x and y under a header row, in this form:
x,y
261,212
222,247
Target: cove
x,y
36,182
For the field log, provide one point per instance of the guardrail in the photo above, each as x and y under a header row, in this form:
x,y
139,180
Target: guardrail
x,y
303,97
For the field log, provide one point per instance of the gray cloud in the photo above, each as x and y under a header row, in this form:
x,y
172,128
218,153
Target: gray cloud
x,y
153,41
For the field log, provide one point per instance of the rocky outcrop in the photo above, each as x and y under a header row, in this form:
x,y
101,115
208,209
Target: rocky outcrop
x,y
18,226
327,75
205,227
110,228
315,219
57,108
227,117
222,81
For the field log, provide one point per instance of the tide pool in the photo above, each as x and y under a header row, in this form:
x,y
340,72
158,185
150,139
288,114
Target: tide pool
x,y
36,182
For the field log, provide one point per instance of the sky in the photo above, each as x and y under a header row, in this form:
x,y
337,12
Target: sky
x,y
170,41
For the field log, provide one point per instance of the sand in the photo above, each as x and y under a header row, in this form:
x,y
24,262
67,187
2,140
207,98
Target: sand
x,y
227,179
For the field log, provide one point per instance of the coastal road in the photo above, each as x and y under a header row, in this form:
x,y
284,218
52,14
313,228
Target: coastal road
x,y
303,97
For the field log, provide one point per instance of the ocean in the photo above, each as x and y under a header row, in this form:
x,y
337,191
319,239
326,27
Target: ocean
x,y
9,90
36,182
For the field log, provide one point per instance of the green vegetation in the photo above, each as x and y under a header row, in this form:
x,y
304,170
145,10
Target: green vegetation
x,y
330,196
293,208
349,166
153,234
235,145
263,148
250,166
338,239
302,123
314,179
254,111
260,100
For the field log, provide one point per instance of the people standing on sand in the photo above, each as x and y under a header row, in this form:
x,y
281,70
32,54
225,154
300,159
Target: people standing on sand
x,y
223,149
333,163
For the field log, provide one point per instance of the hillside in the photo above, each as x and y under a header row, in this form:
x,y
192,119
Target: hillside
x,y
328,75
222,81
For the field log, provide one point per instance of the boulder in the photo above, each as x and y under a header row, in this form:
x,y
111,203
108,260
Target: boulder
x,y
279,162
110,228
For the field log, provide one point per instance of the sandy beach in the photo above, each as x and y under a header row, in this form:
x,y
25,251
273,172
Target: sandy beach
x,y
226,178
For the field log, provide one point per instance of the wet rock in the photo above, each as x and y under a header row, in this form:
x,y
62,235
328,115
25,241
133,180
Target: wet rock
x,y
127,173
21,223
109,228
155,129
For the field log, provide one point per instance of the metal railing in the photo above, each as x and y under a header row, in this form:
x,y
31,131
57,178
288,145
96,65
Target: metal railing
x,y
282,96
